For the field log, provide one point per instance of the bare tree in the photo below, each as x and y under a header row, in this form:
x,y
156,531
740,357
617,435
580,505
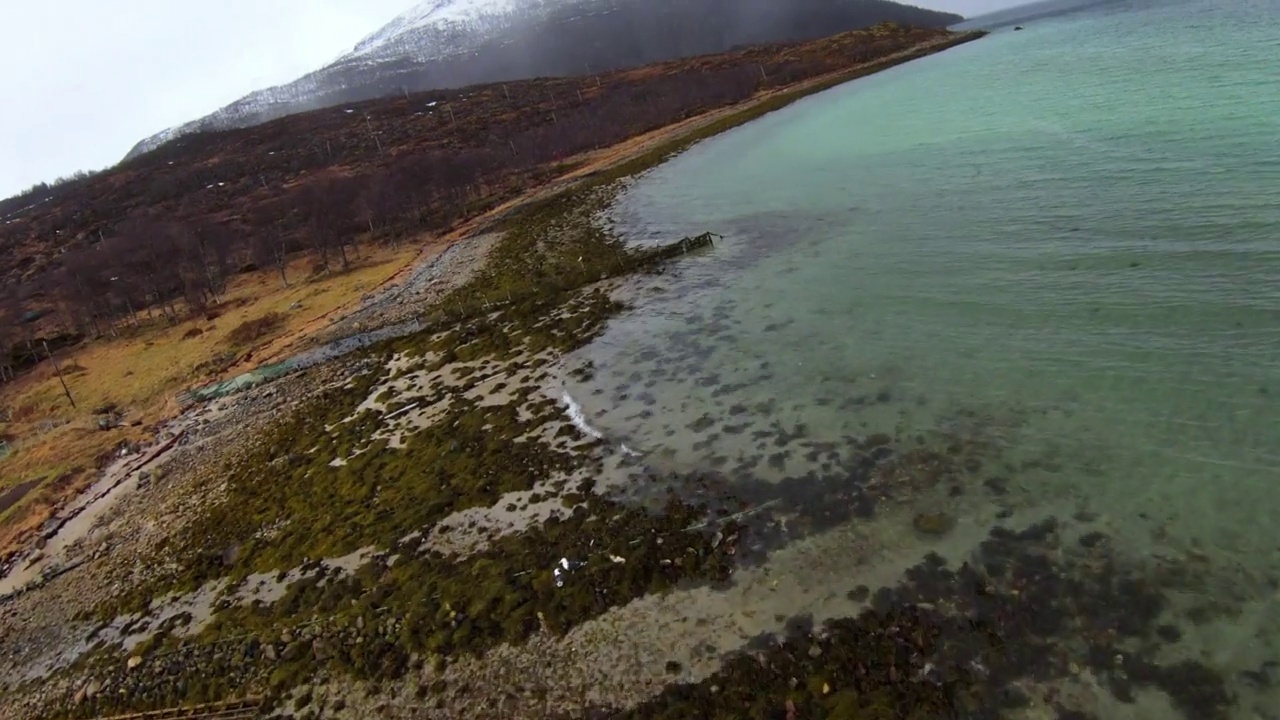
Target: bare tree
x,y
149,253
10,316
378,203
329,205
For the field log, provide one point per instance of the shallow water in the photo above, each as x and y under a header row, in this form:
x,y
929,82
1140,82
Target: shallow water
x,y
1064,241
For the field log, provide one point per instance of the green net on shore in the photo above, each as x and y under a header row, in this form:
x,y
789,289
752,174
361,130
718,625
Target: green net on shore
x,y
254,377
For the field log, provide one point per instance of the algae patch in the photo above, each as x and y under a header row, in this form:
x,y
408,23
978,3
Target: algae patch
x,y
971,642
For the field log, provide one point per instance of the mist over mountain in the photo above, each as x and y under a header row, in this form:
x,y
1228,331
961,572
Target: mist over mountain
x,y
1021,14
453,43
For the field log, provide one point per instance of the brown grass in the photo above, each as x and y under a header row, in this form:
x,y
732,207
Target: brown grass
x,y
141,371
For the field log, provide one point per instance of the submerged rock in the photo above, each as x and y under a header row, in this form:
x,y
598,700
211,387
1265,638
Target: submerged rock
x,y
935,523
964,642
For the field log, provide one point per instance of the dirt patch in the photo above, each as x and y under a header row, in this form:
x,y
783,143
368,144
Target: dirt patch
x,y
14,495
427,281
250,330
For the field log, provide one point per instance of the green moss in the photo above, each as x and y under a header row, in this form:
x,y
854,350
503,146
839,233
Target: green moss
x,y
436,607
933,523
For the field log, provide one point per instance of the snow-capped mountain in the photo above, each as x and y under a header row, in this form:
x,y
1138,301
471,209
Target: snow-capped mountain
x,y
453,43
430,30
432,15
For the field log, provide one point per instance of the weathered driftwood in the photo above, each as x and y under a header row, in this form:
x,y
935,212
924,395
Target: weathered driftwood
x,y
674,250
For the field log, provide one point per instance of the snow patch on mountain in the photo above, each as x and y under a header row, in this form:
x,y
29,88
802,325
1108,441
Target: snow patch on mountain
x,y
430,30
435,13
441,28
450,43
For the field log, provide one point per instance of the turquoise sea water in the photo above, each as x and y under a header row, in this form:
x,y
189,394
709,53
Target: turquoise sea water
x,y
1065,239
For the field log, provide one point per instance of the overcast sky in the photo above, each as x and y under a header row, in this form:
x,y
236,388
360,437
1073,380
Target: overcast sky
x,y
83,80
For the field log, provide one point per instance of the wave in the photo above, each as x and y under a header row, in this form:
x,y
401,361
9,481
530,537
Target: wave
x,y
579,420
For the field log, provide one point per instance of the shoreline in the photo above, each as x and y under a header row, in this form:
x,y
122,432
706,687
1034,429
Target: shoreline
x,y
587,168
474,389
916,545
593,166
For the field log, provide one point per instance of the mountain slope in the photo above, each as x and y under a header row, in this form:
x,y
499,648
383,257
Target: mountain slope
x,y
453,43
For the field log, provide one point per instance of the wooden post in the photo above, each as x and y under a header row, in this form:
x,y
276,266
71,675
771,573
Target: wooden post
x,y
58,370
369,124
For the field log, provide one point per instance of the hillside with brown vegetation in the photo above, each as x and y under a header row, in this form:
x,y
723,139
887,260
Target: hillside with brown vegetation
x,y
172,225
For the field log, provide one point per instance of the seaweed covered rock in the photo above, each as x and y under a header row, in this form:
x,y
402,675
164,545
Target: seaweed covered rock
x,y
957,643
433,605
933,523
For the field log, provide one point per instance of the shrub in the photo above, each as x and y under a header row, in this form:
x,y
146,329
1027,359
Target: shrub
x,y
250,330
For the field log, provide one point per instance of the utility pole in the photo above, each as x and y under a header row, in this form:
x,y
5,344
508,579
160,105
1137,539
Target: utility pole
x,y
58,370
